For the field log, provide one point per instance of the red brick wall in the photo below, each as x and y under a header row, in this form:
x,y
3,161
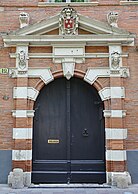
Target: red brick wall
x,y
9,13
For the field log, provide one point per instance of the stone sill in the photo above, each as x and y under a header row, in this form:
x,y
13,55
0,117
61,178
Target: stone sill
x,y
129,2
47,4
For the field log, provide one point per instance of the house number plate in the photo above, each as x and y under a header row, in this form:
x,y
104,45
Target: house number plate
x,y
53,140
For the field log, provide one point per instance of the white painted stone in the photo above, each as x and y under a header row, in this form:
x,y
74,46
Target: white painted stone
x,y
118,113
22,133
23,113
116,133
21,155
111,177
22,59
45,74
19,113
113,49
20,92
116,155
117,92
32,93
93,73
24,19
115,113
68,51
112,92
105,93
25,92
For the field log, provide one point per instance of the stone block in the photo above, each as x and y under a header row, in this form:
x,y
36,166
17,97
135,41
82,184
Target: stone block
x,y
27,179
122,182
17,179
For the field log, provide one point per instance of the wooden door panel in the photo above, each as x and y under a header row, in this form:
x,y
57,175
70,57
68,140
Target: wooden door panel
x,y
50,135
68,138
87,133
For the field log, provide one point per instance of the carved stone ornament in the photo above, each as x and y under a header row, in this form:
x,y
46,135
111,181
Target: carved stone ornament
x,y
68,69
22,60
115,60
24,19
112,18
68,22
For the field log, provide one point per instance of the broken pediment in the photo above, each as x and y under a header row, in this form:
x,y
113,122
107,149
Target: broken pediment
x,y
68,26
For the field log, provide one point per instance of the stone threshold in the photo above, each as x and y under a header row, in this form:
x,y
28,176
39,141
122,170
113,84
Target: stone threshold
x,y
69,186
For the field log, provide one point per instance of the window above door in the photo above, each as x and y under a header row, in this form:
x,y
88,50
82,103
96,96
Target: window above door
x,y
129,2
64,2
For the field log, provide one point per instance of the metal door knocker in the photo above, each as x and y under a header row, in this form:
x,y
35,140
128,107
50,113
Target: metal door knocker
x,y
85,133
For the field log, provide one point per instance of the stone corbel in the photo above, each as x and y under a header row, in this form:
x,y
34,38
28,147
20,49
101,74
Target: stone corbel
x,y
68,65
22,59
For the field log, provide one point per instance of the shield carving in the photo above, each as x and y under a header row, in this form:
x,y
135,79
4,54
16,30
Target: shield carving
x,y
68,22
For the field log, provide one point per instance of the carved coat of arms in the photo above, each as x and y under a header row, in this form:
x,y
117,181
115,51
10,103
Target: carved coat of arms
x,y
68,22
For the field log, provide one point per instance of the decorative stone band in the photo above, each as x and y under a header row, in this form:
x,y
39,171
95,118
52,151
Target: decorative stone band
x,y
25,92
93,74
21,155
115,113
116,133
112,92
23,113
43,73
22,133
115,155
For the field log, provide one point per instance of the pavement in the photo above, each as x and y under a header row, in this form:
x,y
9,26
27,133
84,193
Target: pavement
x,y
132,189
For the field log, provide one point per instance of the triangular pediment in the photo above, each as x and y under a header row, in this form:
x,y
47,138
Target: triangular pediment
x,y
86,25
89,32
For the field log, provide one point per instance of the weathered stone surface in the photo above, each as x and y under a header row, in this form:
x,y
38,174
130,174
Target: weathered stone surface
x,y
122,182
15,179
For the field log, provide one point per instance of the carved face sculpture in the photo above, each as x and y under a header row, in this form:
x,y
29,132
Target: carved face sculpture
x,y
24,17
115,60
22,59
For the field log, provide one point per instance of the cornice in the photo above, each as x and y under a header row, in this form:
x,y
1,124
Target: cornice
x,y
50,40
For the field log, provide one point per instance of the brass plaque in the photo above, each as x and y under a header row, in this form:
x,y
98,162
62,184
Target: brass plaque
x,y
53,140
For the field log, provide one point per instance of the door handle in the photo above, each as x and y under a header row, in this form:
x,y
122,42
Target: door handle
x,y
85,132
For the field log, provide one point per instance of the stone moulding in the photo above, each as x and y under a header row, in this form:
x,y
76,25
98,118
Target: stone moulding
x,y
93,74
91,40
43,73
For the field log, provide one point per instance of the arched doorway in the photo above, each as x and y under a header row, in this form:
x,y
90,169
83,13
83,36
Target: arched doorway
x,y
68,134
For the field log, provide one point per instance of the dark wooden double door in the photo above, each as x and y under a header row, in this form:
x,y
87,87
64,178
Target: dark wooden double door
x,y
68,134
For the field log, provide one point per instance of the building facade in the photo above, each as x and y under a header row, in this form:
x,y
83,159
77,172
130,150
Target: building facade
x,y
69,90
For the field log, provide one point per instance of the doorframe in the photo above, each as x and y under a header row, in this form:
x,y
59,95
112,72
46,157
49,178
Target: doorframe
x,y
26,155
